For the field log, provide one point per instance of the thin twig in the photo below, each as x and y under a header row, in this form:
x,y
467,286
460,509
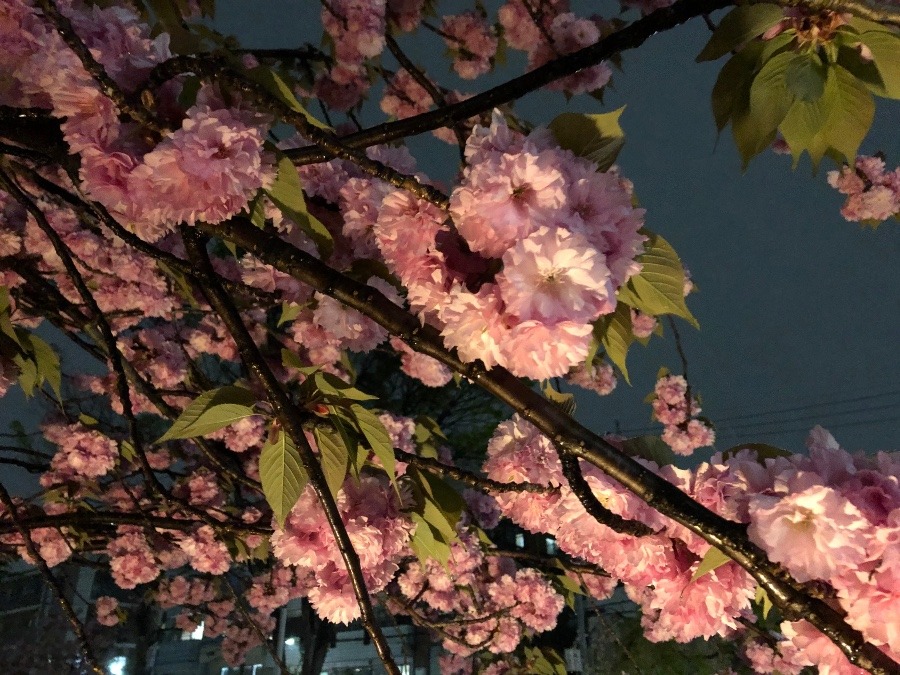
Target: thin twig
x,y
52,581
106,84
292,422
434,92
264,639
467,477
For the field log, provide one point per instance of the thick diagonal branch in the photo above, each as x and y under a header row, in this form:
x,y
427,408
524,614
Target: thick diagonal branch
x,y
568,435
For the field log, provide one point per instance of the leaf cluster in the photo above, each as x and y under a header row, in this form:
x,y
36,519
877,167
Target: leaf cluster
x,y
817,93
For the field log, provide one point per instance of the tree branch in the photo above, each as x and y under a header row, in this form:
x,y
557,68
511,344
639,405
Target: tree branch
x,y
629,37
568,435
52,581
579,486
107,85
292,422
467,477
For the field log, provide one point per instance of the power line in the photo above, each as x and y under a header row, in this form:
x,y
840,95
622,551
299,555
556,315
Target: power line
x,y
723,422
837,425
811,405
861,397
814,416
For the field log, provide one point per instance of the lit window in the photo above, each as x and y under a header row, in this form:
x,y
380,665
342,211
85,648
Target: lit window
x,y
405,670
520,540
551,546
116,666
196,634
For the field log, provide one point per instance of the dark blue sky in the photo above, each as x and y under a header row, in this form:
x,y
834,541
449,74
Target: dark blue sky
x,y
796,305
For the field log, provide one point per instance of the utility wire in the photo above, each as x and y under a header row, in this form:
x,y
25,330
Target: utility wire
x,y
726,422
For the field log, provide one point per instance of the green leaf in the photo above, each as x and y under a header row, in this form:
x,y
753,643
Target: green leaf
x,y
257,210
729,93
451,504
864,26
762,599
659,288
6,326
28,376
438,520
770,99
564,401
426,542
289,312
37,362
713,559
864,71
885,49
334,457
211,411
282,475
614,333
804,76
345,425
333,386
598,138
649,447
739,26
377,437
47,362
287,194
837,122
272,82
127,451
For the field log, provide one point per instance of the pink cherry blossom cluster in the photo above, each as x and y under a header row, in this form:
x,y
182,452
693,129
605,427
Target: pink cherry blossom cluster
x,y
51,544
206,601
541,243
379,532
82,451
206,170
107,609
873,194
357,30
599,377
128,284
404,97
828,517
472,42
547,30
514,603
131,558
656,570
683,432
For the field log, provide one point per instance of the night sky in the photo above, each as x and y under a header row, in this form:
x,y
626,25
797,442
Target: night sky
x,y
797,306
